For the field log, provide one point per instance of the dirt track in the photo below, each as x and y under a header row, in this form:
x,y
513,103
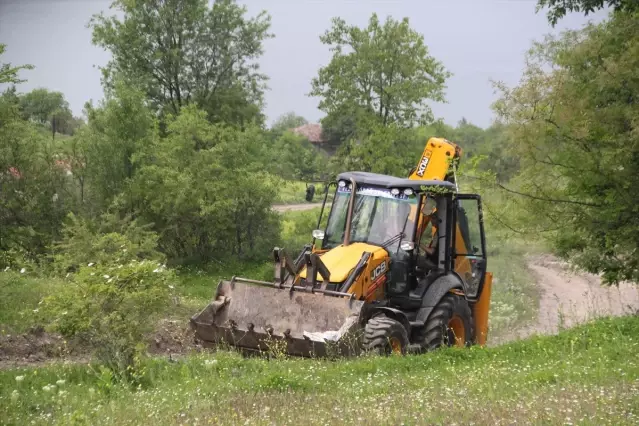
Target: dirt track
x,y
569,298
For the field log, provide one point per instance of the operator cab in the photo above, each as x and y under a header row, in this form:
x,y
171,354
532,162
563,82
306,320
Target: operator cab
x,y
410,219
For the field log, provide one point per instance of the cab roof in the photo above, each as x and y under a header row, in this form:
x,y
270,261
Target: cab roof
x,y
386,181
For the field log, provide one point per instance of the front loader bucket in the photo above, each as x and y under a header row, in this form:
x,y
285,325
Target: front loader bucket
x,y
260,316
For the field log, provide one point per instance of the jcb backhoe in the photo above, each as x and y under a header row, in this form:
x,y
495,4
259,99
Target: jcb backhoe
x,y
400,267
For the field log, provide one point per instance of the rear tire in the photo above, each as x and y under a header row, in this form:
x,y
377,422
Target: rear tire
x,y
385,336
449,324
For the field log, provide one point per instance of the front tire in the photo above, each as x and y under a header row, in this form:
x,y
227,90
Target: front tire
x,y
449,324
385,336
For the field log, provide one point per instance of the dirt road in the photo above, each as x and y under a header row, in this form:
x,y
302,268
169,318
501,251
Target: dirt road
x,y
569,298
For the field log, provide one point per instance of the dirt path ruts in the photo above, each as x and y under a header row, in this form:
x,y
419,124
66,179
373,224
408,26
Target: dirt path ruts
x,y
569,298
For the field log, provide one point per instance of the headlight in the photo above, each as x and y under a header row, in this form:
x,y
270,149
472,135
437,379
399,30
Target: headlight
x,y
407,245
341,183
318,234
395,191
408,192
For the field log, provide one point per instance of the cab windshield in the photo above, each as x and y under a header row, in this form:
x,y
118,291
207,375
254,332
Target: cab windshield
x,y
378,217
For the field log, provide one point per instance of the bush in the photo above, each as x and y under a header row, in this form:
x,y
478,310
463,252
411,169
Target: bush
x,y
116,285
113,240
110,307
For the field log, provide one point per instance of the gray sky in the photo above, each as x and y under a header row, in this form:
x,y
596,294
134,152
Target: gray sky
x,y
477,40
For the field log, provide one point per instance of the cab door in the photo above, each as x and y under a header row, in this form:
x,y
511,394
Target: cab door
x,y
469,243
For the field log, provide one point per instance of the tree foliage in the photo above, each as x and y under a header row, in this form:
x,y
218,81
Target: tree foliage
x,y
33,197
287,121
183,51
381,74
49,109
557,9
9,74
204,189
293,157
573,124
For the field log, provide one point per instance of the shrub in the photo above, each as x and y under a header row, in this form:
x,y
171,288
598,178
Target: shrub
x,y
116,284
111,307
112,240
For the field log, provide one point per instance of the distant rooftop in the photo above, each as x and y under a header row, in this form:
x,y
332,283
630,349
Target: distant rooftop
x,y
311,131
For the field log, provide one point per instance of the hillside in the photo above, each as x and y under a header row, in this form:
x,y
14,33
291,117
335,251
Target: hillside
x,y
587,375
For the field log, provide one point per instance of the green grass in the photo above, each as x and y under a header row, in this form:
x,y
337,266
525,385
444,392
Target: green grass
x,y
587,375
515,295
294,192
19,296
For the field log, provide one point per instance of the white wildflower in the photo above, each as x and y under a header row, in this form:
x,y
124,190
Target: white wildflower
x,y
171,287
67,276
35,311
91,264
60,382
15,395
210,363
6,269
156,270
48,388
109,280
23,270
92,273
19,378
106,277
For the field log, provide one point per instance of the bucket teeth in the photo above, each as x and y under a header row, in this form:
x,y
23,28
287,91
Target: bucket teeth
x,y
251,317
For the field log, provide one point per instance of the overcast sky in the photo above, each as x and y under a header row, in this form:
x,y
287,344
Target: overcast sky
x,y
477,40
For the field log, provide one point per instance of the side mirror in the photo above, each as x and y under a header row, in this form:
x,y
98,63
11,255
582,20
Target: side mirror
x,y
318,234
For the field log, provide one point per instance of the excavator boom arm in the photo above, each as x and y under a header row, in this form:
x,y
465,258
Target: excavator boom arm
x,y
436,160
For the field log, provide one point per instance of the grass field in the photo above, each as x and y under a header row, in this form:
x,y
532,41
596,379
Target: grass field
x,y
293,192
588,375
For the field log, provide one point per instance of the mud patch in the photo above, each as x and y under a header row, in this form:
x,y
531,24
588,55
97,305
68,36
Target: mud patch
x,y
38,347
173,337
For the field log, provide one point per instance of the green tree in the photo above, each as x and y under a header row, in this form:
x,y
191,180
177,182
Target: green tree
x,y
294,157
573,125
382,73
104,151
557,9
287,121
386,150
49,109
204,189
33,187
183,51
9,74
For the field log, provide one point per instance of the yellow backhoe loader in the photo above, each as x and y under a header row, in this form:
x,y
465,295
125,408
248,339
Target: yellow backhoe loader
x,y
399,267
